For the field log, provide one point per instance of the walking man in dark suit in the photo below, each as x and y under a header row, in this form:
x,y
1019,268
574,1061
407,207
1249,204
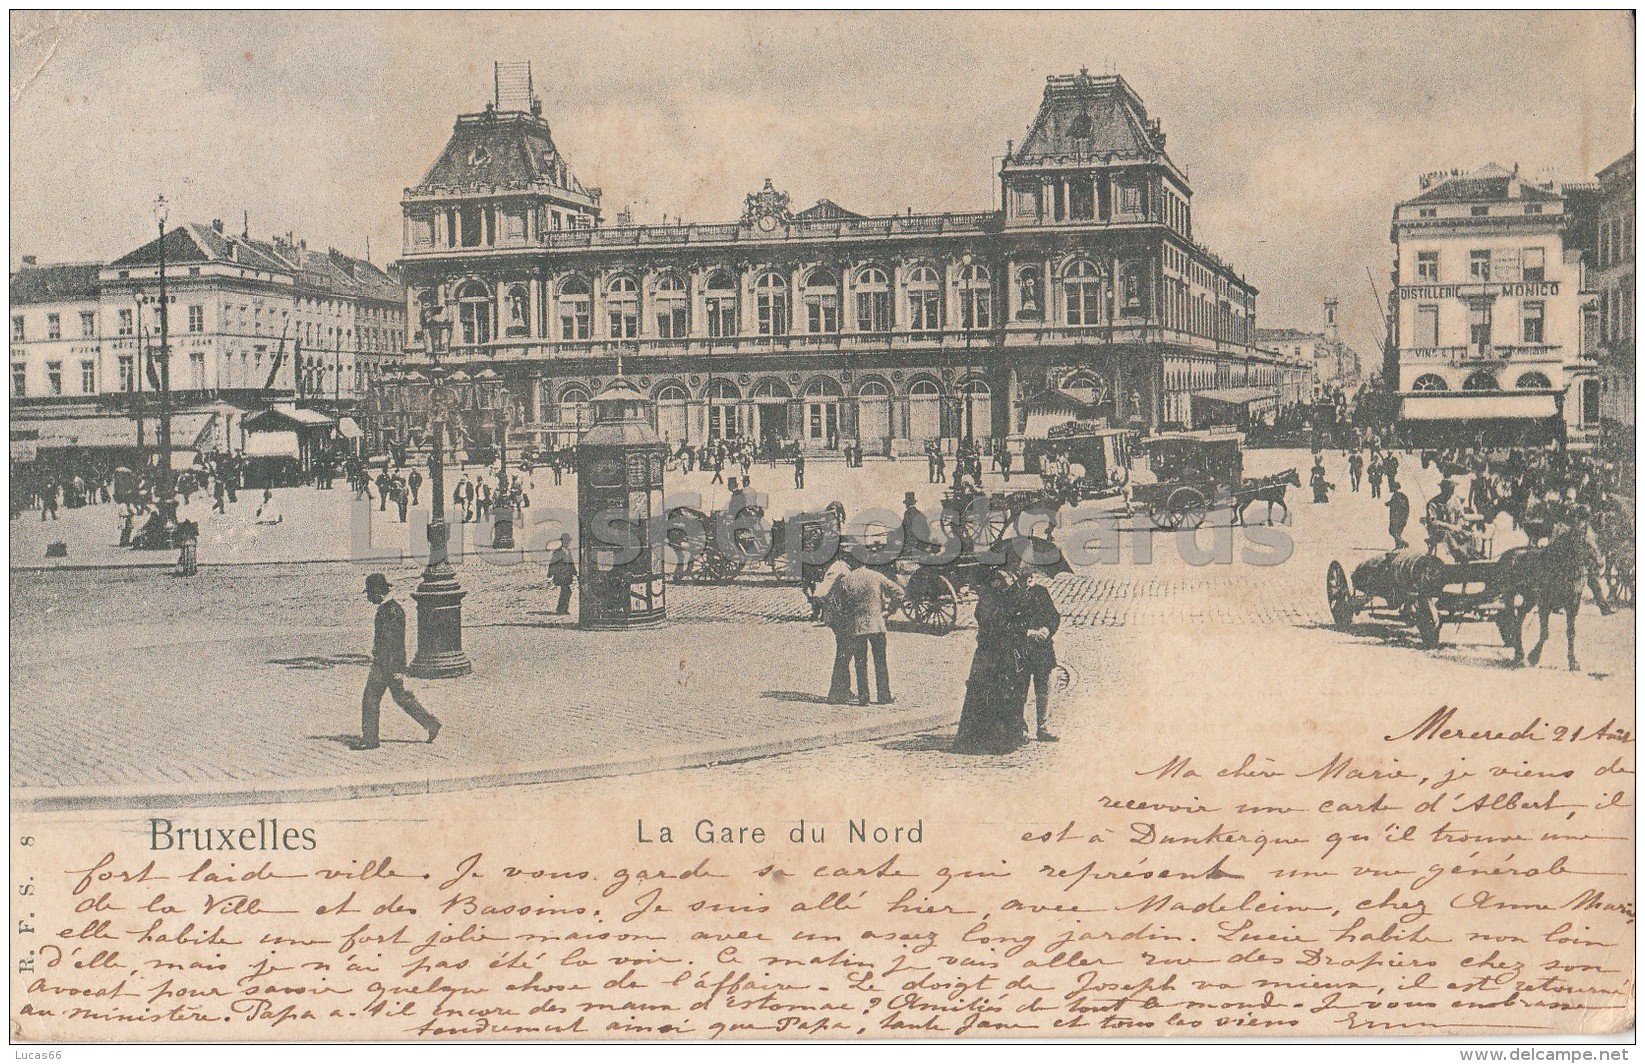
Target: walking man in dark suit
x,y
1040,620
388,666
799,470
562,570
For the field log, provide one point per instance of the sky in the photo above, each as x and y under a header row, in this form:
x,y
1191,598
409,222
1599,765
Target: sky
x,y
1299,131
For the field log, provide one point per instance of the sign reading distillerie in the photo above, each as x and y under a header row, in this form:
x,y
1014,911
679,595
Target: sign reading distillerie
x,y
1477,289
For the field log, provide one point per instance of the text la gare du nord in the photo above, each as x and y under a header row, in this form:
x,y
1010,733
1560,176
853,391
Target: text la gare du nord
x,y
714,833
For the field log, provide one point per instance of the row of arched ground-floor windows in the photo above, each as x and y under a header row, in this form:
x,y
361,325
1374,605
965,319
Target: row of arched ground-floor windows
x,y
1481,380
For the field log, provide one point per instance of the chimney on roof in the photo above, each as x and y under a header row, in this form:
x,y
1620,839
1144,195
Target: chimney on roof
x,y
1513,183
217,225
31,260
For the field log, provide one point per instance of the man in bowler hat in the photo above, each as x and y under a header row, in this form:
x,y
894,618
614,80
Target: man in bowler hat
x,y
388,666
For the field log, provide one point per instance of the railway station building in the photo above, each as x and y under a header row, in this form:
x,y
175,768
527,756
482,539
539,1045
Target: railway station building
x,y
820,325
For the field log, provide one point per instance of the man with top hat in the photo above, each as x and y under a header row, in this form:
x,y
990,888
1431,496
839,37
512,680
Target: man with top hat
x,y
388,666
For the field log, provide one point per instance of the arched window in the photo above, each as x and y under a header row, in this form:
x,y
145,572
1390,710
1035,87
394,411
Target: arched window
x,y
821,409
924,410
1082,293
1086,388
924,300
873,411
671,413
976,298
1480,380
822,301
622,301
722,304
1430,382
575,308
771,389
672,317
574,406
474,313
723,401
1533,380
517,304
771,305
873,301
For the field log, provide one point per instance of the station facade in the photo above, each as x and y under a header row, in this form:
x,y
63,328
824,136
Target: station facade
x,y
823,326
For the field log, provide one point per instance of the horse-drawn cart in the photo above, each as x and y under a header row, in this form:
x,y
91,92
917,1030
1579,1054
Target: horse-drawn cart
x,y
1194,473
1425,593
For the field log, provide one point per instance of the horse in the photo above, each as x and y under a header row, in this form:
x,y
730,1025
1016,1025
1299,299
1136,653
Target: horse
x,y
1269,489
1551,578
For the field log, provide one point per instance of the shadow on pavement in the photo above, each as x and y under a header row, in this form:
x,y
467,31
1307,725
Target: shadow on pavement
x,y
921,744
796,696
321,661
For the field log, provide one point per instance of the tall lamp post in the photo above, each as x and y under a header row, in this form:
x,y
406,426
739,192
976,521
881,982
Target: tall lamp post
x,y
502,527
438,596
161,210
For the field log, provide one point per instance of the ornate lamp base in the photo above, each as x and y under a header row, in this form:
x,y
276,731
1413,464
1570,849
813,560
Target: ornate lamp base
x,y
439,616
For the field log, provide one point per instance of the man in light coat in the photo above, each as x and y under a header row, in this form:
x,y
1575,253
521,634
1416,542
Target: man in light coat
x,y
856,607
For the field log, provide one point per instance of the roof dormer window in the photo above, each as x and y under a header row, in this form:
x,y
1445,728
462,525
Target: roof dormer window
x,y
478,156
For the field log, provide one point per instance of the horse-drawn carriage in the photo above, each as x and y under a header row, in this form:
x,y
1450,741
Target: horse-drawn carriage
x,y
1426,593
936,578
1098,461
1198,471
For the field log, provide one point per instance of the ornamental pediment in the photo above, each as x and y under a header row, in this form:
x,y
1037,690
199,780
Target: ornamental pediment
x,y
767,208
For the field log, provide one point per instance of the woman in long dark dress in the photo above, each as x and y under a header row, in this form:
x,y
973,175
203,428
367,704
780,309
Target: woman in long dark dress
x,y
992,720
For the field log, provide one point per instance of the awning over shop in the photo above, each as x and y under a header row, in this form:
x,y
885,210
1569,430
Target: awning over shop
x,y
1476,406
1051,408
120,431
289,415
349,428
1256,400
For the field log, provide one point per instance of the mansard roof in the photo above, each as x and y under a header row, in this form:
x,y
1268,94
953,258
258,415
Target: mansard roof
x,y
191,243
499,149
54,283
1081,114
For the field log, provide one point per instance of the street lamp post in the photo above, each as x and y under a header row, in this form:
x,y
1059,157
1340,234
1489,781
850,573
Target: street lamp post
x,y
502,528
161,210
438,596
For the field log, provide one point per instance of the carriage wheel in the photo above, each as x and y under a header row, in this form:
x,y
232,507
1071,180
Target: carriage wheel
x,y
1164,517
995,522
933,602
951,521
1189,506
718,568
1426,617
1338,595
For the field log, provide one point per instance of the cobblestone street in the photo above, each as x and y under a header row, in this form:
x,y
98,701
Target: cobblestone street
x,y
132,687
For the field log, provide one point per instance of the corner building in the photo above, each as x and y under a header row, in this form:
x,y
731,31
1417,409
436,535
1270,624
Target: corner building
x,y
822,325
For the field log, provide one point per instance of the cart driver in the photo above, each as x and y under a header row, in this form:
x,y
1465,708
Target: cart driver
x,y
1447,523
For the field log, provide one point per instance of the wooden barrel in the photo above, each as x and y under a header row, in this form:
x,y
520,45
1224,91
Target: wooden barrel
x,y
1399,574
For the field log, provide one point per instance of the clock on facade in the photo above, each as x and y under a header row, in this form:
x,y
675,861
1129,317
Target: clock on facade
x,y
767,223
